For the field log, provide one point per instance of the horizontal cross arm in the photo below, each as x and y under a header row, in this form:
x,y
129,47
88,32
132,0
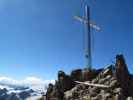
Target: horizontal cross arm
x,y
84,20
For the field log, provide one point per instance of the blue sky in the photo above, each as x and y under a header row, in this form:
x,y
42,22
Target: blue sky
x,y
40,37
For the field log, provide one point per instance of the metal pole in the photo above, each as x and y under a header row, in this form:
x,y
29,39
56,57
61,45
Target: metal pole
x,y
88,38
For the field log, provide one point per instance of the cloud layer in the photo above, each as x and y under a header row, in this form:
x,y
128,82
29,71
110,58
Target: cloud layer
x,y
34,83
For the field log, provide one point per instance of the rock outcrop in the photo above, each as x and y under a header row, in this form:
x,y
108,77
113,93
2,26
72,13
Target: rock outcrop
x,y
111,83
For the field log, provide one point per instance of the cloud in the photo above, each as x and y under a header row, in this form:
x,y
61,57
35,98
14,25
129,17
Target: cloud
x,y
27,80
34,83
8,80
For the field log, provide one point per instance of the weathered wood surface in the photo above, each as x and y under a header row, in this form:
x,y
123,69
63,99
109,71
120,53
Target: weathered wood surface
x,y
95,85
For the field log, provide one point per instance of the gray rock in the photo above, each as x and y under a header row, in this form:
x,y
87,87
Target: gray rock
x,y
95,89
106,96
104,80
94,80
129,98
95,98
93,93
117,91
113,83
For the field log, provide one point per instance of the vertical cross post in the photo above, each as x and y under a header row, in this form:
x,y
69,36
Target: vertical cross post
x,y
88,38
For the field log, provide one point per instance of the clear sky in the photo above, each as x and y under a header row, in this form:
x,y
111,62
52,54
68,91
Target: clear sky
x,y
39,37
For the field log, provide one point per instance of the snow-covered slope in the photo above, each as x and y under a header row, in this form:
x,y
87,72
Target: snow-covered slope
x,y
30,86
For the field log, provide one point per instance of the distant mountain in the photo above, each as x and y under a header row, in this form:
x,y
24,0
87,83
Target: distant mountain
x,y
11,89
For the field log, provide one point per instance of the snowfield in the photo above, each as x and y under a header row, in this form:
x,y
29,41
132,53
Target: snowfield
x,y
30,87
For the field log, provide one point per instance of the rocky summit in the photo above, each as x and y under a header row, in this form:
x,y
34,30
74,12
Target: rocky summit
x,y
113,82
